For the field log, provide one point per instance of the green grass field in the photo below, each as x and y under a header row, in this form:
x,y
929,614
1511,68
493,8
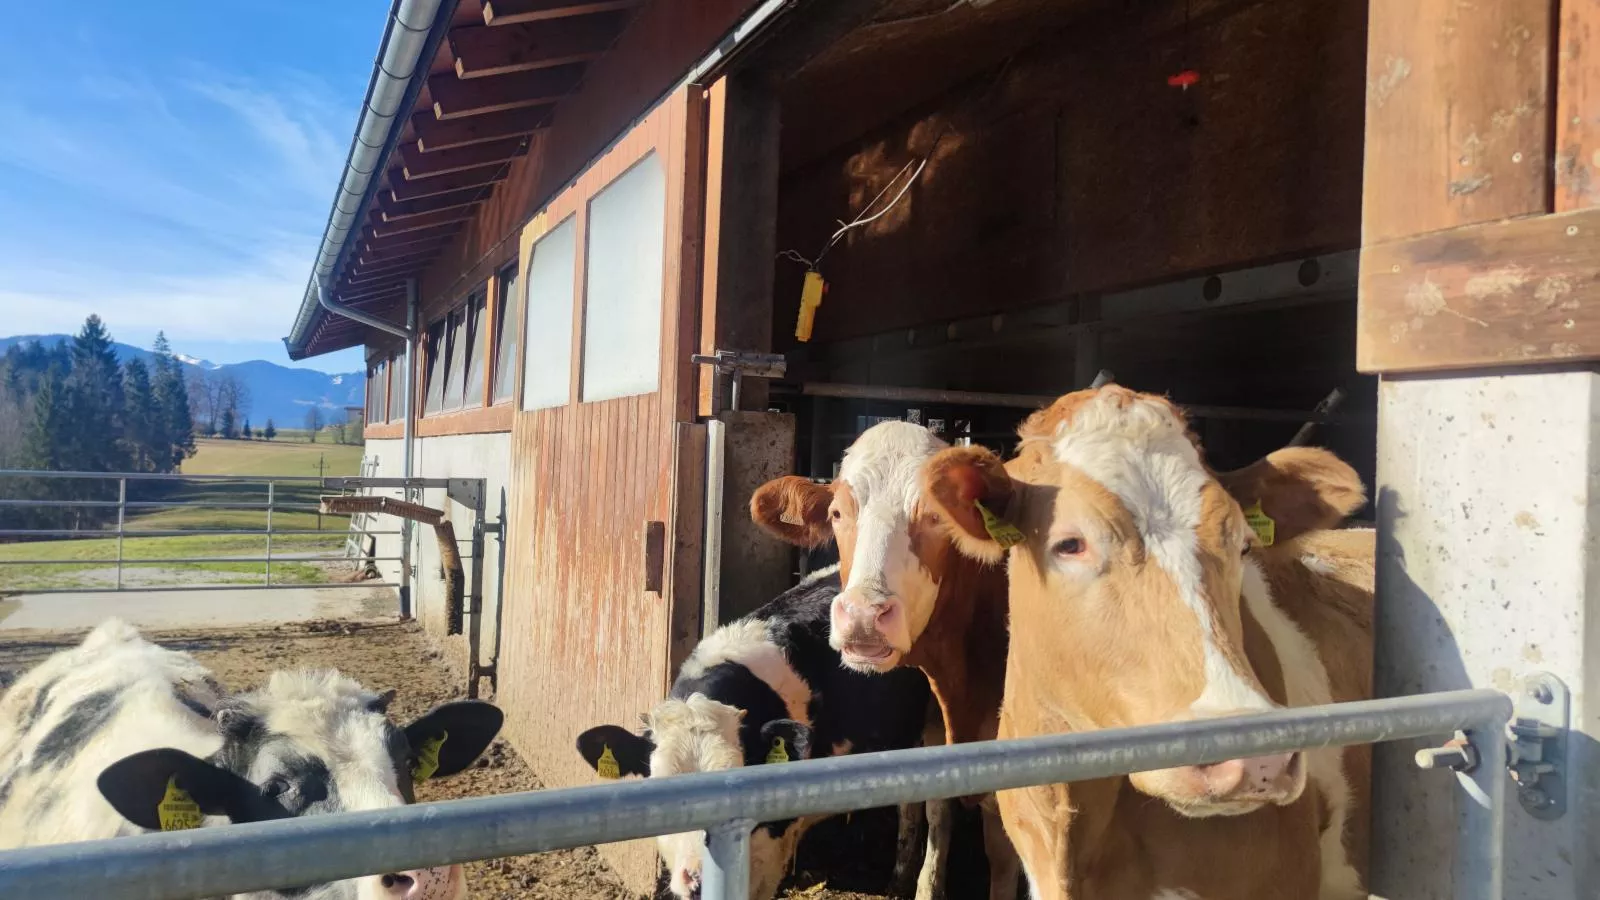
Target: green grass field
x,y
89,561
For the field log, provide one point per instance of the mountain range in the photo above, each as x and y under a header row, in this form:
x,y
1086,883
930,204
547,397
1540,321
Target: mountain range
x,y
280,393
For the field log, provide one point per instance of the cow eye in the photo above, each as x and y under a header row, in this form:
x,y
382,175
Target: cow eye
x,y
1068,547
276,787
835,515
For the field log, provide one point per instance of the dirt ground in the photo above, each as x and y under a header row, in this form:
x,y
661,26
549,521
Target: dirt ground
x,y
841,859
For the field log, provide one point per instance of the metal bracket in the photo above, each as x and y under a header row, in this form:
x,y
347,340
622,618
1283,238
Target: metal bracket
x,y
740,365
466,491
1537,755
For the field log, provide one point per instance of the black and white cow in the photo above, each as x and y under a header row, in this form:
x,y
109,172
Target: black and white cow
x,y
119,736
766,688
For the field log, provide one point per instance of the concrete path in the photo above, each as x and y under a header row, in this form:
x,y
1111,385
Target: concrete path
x,y
221,607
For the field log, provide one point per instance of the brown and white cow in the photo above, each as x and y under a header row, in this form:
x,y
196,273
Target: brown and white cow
x,y
1134,600
909,599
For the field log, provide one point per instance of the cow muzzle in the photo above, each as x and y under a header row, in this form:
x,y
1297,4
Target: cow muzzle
x,y
443,883
862,629
1229,788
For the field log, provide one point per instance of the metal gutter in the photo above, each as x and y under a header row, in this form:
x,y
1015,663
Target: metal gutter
x,y
409,43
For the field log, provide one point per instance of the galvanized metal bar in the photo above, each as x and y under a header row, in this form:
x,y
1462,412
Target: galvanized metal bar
x,y
312,849
143,561
725,874
122,522
219,586
1481,816
475,594
164,532
331,482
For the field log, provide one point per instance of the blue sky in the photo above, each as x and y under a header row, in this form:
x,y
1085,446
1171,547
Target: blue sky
x,y
169,164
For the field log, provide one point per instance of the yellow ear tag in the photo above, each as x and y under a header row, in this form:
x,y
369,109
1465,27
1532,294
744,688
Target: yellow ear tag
x,y
1004,533
810,298
428,758
606,766
1266,530
177,810
779,753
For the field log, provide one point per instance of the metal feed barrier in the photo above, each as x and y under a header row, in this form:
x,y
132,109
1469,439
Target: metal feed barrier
x,y
262,856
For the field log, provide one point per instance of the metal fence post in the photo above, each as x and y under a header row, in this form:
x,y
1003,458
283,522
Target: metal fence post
x,y
271,498
1481,813
725,873
122,520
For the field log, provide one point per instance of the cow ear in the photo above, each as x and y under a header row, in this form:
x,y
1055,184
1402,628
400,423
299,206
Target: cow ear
x,y
613,751
786,740
1299,489
449,737
969,490
794,509
170,790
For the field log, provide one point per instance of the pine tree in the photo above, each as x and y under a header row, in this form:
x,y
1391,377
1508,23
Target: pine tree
x,y
43,448
269,432
95,398
141,428
171,396
245,431
227,426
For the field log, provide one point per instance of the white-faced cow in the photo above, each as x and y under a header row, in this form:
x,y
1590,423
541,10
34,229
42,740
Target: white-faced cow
x,y
909,599
119,736
764,689
1137,597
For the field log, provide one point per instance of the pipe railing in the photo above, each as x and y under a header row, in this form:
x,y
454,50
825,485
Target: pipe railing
x,y
316,849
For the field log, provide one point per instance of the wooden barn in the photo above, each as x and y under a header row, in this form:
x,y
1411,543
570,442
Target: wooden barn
x,y
628,259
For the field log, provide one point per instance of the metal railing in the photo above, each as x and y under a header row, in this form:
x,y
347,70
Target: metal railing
x,y
315,849
103,509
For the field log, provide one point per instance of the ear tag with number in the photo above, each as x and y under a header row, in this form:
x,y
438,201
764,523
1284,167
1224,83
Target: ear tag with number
x,y
1004,533
428,758
177,810
1262,524
779,753
606,766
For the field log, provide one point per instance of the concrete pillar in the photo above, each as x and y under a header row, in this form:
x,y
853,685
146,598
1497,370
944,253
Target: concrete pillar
x,y
1488,502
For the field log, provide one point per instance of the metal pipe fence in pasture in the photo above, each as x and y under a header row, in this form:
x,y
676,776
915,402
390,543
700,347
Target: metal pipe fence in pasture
x,y
315,849
40,505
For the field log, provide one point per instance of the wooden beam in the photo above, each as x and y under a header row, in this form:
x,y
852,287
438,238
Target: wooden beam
x,y
408,252
463,178
433,134
444,217
412,237
357,295
482,51
368,273
1503,293
1577,99
426,165
455,97
513,12
394,210
1458,114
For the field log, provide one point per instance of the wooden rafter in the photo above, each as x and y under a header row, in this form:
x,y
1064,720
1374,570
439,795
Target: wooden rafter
x,y
452,217
455,97
513,12
463,178
409,238
376,273
481,50
402,253
420,165
455,199
434,135
355,295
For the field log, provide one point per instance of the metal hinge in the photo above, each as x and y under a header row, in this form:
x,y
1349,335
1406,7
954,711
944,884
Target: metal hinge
x,y
741,364
1537,755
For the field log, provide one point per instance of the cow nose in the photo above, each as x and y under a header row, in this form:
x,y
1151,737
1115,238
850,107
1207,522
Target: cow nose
x,y
1258,776
417,884
691,884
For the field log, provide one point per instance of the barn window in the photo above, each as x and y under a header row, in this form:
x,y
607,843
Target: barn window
x,y
434,397
622,312
505,339
473,370
455,359
547,323
378,391
396,400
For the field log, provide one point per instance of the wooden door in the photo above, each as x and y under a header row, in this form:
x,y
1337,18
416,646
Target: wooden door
x,y
600,554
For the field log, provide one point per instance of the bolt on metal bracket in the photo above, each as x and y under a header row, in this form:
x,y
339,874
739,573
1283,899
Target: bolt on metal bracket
x,y
1537,755
1457,754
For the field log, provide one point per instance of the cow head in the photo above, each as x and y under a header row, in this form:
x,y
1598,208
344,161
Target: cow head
x,y
308,743
891,551
1126,575
702,735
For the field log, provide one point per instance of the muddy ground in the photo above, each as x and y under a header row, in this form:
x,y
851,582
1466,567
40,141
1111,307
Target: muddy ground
x,y
842,859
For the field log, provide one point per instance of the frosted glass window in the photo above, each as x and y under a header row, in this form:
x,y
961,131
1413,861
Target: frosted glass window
x,y
456,357
547,319
622,309
475,350
433,399
505,309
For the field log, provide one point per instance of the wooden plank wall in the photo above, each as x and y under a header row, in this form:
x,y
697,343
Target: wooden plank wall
x,y
1082,169
584,642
